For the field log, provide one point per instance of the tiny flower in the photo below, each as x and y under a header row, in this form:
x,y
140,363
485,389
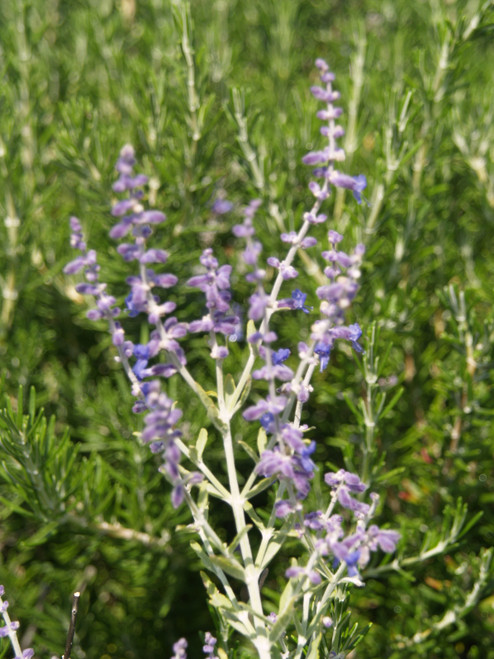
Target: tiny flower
x,y
298,301
274,405
283,508
295,571
323,350
208,647
221,206
354,183
180,649
327,622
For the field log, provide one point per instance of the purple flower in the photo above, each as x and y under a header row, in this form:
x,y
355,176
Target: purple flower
x,y
180,649
283,508
385,539
351,333
343,484
208,647
298,301
345,478
274,405
26,654
258,303
331,154
287,271
277,370
305,462
290,462
351,560
267,422
354,183
221,206
323,350
215,283
295,571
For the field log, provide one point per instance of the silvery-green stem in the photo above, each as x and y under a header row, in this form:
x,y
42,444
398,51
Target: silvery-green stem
x,y
11,632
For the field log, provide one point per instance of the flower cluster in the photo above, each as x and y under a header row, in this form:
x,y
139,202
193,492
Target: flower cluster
x,y
328,535
10,629
180,647
134,219
215,284
286,456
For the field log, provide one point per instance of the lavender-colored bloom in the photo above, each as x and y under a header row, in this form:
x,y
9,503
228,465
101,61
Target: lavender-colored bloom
x,y
334,237
385,539
323,350
351,333
351,559
267,421
208,647
258,303
314,521
274,405
305,461
6,629
283,508
11,626
215,283
296,571
297,301
26,654
354,183
154,256
351,481
295,466
221,206
326,157
292,436
244,230
315,158
277,370
180,649
343,484
312,218
287,271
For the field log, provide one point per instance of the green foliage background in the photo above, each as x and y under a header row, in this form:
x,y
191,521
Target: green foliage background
x,y
219,103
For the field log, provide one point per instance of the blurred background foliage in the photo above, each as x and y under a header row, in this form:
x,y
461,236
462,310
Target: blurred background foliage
x,y
215,98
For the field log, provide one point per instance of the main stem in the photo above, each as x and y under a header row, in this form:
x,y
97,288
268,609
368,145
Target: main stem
x,y
261,641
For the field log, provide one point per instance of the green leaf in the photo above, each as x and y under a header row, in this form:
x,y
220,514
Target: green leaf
x,y
229,386
42,535
244,395
260,487
282,621
249,450
262,440
236,540
211,409
314,647
398,394
251,328
201,442
272,549
217,599
249,509
229,565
